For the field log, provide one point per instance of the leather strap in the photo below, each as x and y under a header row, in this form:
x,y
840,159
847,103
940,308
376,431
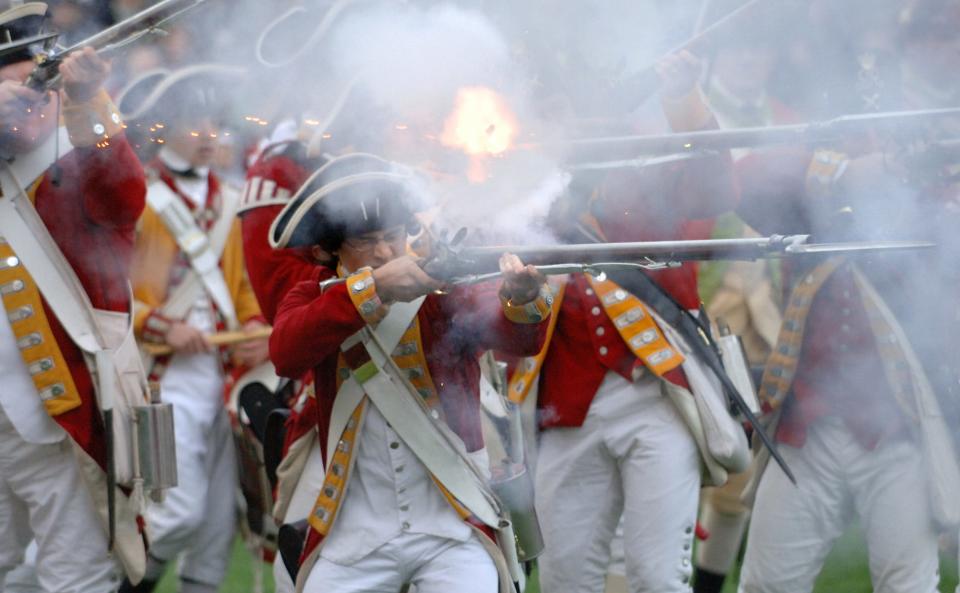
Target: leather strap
x,y
350,394
29,166
636,327
782,364
22,227
203,251
434,444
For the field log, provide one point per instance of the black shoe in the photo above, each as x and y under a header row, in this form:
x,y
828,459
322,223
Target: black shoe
x,y
705,581
143,586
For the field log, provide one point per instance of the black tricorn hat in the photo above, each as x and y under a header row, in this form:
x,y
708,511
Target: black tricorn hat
x,y
164,96
350,195
24,31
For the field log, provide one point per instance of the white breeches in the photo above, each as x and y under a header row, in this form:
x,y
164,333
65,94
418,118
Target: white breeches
x,y
42,496
794,527
633,455
198,517
301,503
432,564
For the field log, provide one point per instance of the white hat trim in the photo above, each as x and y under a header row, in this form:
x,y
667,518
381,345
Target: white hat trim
x,y
18,12
173,78
305,206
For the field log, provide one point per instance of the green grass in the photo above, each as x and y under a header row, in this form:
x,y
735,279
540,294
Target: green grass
x,y
845,572
846,569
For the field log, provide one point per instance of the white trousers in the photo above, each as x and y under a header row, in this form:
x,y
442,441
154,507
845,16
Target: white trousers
x,y
197,518
633,455
794,527
301,503
42,496
431,564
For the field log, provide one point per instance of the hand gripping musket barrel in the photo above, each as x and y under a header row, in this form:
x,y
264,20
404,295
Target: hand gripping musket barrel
x,y
621,261
460,265
46,75
891,123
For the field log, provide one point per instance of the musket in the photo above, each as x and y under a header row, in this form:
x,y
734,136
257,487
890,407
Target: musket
x,y
622,260
46,75
693,143
468,265
459,265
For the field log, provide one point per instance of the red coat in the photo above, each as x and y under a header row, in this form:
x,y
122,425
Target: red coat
x,y
659,203
455,330
840,371
92,214
273,272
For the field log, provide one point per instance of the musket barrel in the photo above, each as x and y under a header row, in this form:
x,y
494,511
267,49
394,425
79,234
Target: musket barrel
x,y
692,142
46,75
486,258
144,20
473,264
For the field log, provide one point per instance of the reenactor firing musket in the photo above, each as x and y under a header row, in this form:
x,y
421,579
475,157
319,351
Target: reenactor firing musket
x,y
467,265
457,264
894,123
46,75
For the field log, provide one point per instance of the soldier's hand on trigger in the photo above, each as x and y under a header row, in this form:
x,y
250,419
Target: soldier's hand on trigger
x,y
403,279
83,72
186,339
678,73
252,353
521,284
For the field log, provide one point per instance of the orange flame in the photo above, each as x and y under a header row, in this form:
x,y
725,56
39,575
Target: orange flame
x,y
481,123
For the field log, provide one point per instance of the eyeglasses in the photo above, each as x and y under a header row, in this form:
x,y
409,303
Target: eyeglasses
x,y
368,242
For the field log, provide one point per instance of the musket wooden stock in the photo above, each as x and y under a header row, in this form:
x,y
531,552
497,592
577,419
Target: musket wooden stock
x,y
218,339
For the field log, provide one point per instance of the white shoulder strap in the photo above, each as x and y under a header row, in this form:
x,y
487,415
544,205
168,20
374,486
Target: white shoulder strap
x,y
390,329
29,166
937,437
21,226
434,444
202,251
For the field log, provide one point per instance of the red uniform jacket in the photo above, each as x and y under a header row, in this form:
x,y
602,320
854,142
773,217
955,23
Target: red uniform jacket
x,y
92,214
455,330
840,371
665,202
271,181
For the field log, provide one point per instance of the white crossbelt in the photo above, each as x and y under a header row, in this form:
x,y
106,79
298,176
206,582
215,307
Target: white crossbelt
x,y
390,330
104,336
435,445
203,252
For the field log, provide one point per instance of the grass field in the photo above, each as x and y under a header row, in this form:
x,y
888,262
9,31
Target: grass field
x,y
845,572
